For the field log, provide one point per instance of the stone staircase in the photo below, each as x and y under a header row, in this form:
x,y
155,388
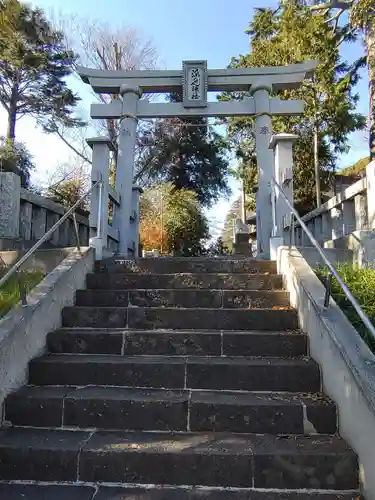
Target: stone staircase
x,y
176,379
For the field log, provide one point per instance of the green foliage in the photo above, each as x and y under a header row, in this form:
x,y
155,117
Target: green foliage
x,y
14,157
361,282
9,293
233,213
33,69
362,14
356,168
66,192
292,34
174,219
217,248
188,154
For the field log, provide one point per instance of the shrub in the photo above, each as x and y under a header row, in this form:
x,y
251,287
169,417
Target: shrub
x,y
9,293
361,282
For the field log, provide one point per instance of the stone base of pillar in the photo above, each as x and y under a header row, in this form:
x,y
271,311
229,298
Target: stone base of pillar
x,y
10,197
275,243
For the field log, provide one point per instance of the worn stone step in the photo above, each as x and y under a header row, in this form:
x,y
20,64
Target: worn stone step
x,y
177,318
166,410
216,281
10,491
238,460
186,265
177,372
183,298
179,342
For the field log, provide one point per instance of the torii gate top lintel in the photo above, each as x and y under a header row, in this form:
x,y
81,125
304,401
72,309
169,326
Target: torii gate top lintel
x,y
217,80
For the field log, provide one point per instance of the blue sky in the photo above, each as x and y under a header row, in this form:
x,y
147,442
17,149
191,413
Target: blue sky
x,y
194,29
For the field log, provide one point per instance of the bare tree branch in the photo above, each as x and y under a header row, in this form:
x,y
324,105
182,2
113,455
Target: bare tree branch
x,y
333,4
101,46
80,153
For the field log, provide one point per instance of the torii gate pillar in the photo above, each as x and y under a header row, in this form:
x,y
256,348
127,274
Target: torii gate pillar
x,y
125,164
265,161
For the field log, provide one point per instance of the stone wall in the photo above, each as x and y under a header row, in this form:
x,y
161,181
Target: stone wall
x,y
23,331
346,362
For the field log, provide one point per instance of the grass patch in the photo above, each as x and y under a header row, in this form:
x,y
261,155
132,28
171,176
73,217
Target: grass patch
x,y
361,282
9,293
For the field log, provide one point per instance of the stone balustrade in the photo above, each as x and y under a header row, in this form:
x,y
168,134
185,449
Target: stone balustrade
x,y
345,222
340,216
38,214
26,217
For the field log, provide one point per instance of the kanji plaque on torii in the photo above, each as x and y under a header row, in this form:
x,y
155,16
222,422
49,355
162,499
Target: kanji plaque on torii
x,y
194,84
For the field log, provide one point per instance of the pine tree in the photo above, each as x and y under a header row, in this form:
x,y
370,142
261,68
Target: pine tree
x,y
33,69
188,154
292,34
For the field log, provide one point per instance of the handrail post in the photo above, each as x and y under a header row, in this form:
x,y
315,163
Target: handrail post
x,y
291,231
76,232
328,292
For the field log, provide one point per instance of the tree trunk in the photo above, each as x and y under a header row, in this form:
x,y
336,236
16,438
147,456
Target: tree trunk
x,y
243,202
370,43
11,129
12,115
316,167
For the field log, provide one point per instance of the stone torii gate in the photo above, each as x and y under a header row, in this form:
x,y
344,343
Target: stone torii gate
x,y
196,80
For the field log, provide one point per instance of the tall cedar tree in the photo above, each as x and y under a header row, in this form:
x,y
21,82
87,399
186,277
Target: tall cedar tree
x,y
33,69
186,153
361,21
292,34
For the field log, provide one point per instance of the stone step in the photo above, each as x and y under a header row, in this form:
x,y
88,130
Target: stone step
x,y
177,372
165,410
247,460
216,281
9,491
177,318
186,265
183,298
178,342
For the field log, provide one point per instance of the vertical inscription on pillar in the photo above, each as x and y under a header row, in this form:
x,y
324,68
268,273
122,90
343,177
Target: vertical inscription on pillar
x,y
194,84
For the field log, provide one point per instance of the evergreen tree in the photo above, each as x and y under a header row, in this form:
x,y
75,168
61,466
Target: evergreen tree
x,y
188,154
172,221
33,69
15,157
292,34
362,23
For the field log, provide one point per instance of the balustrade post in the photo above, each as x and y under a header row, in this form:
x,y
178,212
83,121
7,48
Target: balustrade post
x,y
135,219
337,222
370,176
282,145
10,199
101,147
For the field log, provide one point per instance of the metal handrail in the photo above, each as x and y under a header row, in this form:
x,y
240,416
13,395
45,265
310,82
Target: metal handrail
x,y
71,211
330,266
